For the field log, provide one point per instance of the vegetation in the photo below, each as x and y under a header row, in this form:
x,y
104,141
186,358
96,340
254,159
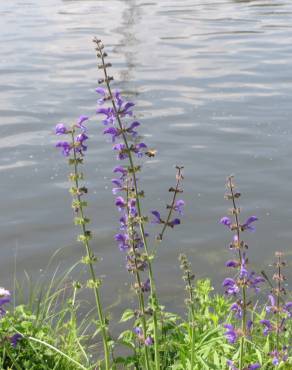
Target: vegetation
x,y
246,328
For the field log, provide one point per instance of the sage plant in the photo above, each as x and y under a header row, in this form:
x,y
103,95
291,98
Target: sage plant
x,y
122,129
74,148
243,281
279,311
188,278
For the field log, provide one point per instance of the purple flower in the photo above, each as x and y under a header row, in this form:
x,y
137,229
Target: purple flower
x,y
15,339
120,169
253,281
114,132
109,115
179,206
101,91
174,222
123,222
120,203
267,326
61,129
230,334
4,298
119,186
65,146
237,309
132,207
243,270
80,141
226,221
122,149
123,241
288,309
231,365
148,341
131,129
247,225
273,307
80,123
231,288
138,331
138,149
157,219
232,263
254,366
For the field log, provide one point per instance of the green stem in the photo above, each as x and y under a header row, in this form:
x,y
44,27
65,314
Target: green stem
x,y
89,253
154,299
139,293
176,190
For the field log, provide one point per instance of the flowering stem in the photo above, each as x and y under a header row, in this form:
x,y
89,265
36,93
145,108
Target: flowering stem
x,y
102,322
139,293
176,190
154,299
278,301
243,327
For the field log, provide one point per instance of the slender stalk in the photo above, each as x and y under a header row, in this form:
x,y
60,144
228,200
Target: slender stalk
x,y
192,312
154,299
89,253
278,302
139,292
175,192
244,321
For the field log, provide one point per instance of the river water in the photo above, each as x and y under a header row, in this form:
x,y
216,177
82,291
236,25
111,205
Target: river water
x,y
212,82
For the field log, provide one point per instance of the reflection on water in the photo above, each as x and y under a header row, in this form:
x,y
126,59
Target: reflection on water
x,y
212,83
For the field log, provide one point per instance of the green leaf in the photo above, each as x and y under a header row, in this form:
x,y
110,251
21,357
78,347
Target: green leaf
x,y
127,315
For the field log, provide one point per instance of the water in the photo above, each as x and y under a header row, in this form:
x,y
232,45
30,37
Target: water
x,y
213,85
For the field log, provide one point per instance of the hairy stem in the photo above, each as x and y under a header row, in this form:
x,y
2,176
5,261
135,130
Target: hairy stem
x,y
101,319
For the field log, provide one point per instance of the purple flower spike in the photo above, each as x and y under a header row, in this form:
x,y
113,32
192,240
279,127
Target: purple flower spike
x,y
157,219
254,366
61,129
226,221
230,334
65,146
247,225
179,206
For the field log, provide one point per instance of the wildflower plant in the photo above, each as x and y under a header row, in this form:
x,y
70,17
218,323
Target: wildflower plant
x,y
279,313
244,280
121,127
74,148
